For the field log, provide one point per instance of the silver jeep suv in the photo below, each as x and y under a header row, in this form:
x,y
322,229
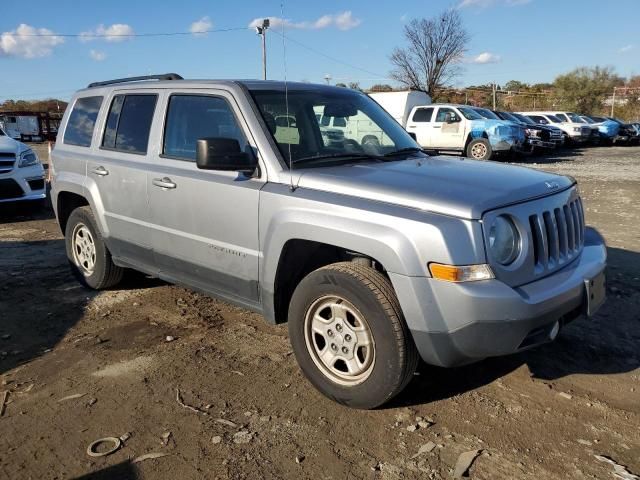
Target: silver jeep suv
x,y
376,254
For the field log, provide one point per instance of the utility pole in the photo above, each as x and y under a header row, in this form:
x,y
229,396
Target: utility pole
x,y
493,90
327,78
262,31
613,100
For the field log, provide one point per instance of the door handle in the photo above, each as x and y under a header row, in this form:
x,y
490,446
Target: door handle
x,y
411,126
100,171
164,182
437,126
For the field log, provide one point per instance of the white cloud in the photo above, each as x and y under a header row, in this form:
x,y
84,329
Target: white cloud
x,y
485,57
97,55
28,42
118,32
201,26
341,21
490,3
627,48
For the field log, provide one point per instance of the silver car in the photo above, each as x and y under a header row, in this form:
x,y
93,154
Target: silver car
x,y
376,254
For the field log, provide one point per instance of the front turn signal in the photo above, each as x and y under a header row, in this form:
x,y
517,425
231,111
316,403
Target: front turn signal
x,y
460,273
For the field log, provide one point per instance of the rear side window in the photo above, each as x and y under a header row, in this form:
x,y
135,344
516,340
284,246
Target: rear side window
x,y
423,115
82,121
191,117
129,123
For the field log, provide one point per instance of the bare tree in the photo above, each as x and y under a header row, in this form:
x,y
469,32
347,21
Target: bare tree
x,y
431,60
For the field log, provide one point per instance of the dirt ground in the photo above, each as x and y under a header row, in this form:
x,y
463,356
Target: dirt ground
x,y
225,398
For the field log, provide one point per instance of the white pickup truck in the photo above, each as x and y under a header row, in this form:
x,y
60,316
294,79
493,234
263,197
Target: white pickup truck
x,y
574,132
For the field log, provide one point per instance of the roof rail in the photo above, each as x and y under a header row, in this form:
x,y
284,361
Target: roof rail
x,y
163,76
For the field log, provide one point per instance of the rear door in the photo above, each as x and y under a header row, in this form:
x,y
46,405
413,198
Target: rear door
x,y
204,222
420,123
118,171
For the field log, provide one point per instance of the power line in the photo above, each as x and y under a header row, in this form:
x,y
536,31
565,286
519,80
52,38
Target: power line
x,y
317,52
127,35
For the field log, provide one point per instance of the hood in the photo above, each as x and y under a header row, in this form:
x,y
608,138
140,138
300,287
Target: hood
x,y
453,186
9,145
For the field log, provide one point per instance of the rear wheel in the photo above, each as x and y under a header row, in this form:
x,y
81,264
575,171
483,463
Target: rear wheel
x,y
89,257
479,149
349,335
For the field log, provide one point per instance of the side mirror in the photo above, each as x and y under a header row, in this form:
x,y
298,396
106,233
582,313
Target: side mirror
x,y
223,154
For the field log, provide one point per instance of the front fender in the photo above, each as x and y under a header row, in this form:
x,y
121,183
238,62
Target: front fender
x,y
403,240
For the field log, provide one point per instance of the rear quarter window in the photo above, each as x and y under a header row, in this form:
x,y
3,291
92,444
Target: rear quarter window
x,y
82,121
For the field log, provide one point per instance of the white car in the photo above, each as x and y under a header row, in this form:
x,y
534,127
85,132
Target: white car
x,y
22,176
574,131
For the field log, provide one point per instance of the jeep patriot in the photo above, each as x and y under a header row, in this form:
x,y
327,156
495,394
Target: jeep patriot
x,y
376,254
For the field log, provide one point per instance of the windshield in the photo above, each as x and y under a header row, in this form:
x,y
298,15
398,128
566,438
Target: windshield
x,y
588,120
575,118
469,113
509,116
524,119
487,114
553,119
321,124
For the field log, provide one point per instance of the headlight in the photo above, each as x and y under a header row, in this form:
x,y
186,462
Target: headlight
x,y
504,240
532,132
28,158
576,129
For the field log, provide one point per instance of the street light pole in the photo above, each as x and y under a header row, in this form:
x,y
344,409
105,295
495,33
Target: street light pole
x,y
613,100
262,31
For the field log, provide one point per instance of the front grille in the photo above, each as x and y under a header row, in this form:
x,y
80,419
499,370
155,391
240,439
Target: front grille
x,y
557,235
10,189
7,160
586,131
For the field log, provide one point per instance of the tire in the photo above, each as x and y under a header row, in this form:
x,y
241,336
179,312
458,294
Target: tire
x,y
369,312
84,242
479,149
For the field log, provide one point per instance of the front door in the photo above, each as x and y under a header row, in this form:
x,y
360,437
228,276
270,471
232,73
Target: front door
x,y
448,133
205,223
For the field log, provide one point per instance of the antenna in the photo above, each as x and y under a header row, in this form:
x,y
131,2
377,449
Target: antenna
x,y
286,93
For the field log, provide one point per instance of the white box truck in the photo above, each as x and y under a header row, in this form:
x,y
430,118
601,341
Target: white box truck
x,y
400,104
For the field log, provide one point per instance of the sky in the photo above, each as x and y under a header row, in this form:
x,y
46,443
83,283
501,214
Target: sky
x,y
350,40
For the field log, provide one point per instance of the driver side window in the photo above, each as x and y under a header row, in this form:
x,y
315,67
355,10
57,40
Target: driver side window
x,y
191,117
442,114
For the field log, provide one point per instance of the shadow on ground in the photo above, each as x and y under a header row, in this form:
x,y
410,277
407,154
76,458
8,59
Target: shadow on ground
x,y
121,471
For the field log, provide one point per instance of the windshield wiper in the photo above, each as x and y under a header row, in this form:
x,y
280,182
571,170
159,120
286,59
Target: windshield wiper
x,y
404,150
338,156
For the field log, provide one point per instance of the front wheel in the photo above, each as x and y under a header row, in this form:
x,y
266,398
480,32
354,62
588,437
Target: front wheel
x,y
89,257
479,149
349,335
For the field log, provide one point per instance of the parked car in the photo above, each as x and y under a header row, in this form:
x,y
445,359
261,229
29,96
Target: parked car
x,y
458,128
537,136
22,176
573,132
594,135
555,134
375,255
607,129
628,133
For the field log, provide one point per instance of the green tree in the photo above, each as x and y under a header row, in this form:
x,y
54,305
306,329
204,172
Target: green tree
x,y
584,89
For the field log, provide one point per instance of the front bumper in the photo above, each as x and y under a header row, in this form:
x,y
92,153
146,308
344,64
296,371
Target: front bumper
x,y
506,144
538,143
23,184
457,323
